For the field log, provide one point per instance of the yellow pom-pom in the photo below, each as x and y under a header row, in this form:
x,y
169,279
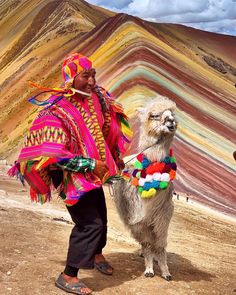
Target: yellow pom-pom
x,y
148,194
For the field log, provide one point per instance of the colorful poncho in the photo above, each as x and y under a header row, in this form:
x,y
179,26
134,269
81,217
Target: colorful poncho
x,y
94,128
149,177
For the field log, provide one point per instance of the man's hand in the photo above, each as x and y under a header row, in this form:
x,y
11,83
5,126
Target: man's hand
x,y
100,169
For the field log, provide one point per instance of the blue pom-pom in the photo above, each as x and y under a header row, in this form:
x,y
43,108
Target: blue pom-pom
x,y
145,163
155,184
147,186
152,184
166,160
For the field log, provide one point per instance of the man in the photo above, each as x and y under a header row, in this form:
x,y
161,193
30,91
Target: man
x,y
75,143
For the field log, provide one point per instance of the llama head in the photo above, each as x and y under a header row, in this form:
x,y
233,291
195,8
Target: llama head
x,y
158,120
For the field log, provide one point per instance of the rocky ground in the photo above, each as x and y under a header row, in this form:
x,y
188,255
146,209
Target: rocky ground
x,y
33,247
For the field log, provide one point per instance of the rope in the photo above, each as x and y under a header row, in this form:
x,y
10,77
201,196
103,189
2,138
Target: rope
x,y
110,187
142,152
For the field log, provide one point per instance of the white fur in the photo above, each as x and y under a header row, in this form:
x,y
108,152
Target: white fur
x,y
148,219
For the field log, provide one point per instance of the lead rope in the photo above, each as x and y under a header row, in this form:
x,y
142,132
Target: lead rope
x,y
142,151
110,186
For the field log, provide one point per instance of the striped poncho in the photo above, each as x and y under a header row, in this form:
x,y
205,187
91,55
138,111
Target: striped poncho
x,y
95,128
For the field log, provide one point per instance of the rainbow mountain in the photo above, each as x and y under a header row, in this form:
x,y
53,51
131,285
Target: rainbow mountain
x,y
135,60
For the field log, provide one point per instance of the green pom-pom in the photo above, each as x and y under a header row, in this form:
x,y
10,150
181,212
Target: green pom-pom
x,y
138,165
163,184
140,189
138,174
172,159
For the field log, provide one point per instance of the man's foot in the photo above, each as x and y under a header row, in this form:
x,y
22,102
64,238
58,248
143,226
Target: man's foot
x,y
72,285
102,265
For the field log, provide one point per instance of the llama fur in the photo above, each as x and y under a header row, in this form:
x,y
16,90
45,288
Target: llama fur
x,y
148,219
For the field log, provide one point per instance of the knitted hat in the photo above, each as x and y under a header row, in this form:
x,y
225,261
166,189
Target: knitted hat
x,y
73,65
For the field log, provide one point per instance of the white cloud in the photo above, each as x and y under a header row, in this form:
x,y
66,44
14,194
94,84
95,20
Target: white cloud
x,y
111,3
210,15
227,27
157,8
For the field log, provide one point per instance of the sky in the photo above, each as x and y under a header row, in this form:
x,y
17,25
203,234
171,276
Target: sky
x,y
217,16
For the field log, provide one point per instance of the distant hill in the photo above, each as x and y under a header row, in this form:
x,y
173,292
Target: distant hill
x,y
35,37
135,60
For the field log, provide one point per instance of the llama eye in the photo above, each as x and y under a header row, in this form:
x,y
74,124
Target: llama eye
x,y
154,117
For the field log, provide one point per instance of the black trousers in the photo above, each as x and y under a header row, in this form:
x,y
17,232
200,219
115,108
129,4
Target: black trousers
x,y
89,235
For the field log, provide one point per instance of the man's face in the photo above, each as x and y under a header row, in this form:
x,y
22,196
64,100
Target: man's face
x,y
85,81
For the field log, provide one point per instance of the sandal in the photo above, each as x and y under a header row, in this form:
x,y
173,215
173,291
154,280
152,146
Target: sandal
x,y
103,267
74,288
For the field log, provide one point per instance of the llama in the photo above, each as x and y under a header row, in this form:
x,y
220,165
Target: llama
x,y
148,213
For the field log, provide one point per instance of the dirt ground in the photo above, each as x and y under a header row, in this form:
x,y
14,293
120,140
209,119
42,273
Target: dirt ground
x,y
34,238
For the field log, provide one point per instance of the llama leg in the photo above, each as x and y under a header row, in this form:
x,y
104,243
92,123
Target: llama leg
x,y
162,262
148,258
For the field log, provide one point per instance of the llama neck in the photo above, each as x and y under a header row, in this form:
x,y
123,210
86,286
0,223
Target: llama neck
x,y
156,149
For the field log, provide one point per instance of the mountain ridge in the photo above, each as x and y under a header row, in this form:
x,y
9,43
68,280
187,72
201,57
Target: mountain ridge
x,y
136,60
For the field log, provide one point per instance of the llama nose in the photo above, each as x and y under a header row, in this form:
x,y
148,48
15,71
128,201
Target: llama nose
x,y
169,119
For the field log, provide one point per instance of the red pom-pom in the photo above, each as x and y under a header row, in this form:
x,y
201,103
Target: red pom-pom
x,y
155,167
151,168
143,174
167,168
140,157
